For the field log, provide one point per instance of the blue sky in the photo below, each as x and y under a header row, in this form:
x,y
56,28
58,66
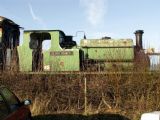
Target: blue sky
x,y
115,18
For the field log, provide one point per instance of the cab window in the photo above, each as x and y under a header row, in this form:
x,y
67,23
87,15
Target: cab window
x,y
61,38
3,109
46,45
11,99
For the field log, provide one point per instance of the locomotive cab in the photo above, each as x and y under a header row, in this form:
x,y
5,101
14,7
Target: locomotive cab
x,y
57,57
9,40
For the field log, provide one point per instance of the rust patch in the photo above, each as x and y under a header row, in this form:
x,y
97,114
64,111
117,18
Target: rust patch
x,y
62,64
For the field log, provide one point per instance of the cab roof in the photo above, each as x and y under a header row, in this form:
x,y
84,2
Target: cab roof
x,y
3,19
42,31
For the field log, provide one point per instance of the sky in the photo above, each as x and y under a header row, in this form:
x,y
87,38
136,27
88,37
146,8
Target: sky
x,y
97,18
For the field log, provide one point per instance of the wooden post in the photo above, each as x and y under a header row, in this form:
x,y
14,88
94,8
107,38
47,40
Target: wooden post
x,y
85,96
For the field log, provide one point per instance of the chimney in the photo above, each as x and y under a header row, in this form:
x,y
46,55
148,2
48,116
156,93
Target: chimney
x,y
139,34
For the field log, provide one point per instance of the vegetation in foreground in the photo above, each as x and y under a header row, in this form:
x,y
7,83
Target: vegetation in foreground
x,y
68,97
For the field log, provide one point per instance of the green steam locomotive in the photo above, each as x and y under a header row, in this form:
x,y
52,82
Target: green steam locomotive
x,y
64,54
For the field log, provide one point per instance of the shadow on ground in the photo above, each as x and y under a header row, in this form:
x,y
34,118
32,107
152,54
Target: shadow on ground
x,y
80,117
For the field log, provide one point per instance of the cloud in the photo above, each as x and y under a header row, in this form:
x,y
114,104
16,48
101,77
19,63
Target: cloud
x,y
36,18
95,10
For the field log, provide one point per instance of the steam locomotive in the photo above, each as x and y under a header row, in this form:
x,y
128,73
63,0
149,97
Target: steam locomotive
x,y
64,54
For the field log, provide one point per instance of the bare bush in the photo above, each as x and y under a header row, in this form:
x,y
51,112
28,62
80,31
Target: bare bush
x,y
126,94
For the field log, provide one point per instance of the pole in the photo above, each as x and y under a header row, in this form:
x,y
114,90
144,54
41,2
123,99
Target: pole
x,y
85,96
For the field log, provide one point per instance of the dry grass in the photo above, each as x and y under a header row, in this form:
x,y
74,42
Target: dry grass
x,y
124,94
